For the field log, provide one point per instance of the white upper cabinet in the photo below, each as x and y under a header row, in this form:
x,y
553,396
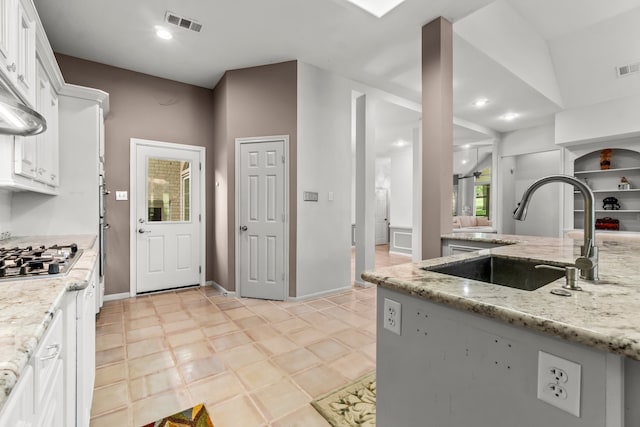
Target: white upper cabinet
x,y
8,24
29,163
25,73
18,48
36,156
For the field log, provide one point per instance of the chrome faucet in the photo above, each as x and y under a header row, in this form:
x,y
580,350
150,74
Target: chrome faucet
x,y
588,261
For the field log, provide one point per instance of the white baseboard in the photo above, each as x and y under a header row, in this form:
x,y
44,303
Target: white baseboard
x,y
222,290
115,297
319,294
400,253
363,284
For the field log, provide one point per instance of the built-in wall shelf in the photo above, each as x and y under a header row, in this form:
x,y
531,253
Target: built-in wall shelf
x,y
611,211
631,190
604,183
598,171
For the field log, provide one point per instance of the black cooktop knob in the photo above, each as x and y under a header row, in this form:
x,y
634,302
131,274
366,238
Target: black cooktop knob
x,y
54,268
3,271
74,248
23,270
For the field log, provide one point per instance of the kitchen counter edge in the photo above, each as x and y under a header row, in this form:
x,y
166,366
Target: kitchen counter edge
x,y
592,317
28,325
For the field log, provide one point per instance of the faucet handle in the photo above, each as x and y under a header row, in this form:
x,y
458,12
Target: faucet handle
x,y
570,274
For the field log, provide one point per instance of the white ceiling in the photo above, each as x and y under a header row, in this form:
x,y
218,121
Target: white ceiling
x,y
578,41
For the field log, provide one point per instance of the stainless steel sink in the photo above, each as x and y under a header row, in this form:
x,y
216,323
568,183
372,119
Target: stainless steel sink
x,y
514,273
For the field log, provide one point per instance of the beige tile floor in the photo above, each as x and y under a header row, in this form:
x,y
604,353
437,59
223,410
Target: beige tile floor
x,y
252,362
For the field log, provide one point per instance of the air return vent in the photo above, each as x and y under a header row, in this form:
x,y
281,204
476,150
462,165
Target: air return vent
x,y
626,70
182,22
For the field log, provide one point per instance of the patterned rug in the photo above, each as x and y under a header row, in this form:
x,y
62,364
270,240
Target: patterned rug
x,y
351,406
192,417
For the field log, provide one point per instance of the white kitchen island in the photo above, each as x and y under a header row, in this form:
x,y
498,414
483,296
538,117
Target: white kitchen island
x,y
468,351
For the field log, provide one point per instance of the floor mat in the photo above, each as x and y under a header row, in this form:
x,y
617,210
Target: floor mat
x,y
351,406
192,417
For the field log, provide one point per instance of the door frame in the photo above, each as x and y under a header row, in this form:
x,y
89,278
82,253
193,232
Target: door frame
x,y
133,224
236,228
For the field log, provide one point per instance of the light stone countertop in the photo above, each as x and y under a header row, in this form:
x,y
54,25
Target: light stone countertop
x,y
27,306
604,315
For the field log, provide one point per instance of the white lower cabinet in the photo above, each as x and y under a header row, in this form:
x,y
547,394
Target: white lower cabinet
x,y
55,389
18,409
86,353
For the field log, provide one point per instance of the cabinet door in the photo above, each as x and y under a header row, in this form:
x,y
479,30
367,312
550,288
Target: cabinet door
x,y
86,354
43,149
25,156
7,36
26,55
18,409
53,139
30,151
52,410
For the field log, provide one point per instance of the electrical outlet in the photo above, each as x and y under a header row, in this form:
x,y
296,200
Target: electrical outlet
x,y
559,382
392,315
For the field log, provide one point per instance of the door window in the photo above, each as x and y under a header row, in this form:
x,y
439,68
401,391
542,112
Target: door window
x,y
168,190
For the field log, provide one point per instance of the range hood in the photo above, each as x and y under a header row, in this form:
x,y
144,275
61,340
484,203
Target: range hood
x,y
16,118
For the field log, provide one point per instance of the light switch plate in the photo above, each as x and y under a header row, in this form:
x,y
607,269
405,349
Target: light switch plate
x,y
122,195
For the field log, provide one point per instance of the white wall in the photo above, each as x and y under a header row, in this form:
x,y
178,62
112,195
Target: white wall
x,y
507,38
507,201
5,211
543,217
609,120
530,140
525,156
324,165
401,200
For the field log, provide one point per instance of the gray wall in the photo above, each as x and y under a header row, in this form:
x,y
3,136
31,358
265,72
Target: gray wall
x,y
147,107
251,102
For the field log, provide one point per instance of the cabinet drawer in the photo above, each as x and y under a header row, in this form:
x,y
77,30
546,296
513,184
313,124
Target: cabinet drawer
x,y
48,353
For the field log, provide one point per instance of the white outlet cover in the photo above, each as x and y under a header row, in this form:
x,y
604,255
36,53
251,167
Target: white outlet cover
x,y
569,399
392,316
121,195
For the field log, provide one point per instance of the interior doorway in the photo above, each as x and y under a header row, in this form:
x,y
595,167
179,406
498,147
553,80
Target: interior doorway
x,y
382,216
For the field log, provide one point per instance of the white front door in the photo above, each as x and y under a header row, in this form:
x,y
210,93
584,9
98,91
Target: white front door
x,y
168,216
261,220
382,220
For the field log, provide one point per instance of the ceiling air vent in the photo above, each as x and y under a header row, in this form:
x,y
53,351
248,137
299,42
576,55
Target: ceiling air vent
x,y
182,22
625,70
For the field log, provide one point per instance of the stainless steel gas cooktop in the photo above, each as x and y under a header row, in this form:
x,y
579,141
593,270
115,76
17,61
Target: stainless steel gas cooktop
x,y
31,261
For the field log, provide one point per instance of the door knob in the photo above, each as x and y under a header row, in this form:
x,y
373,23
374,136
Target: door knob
x,y
142,231
243,228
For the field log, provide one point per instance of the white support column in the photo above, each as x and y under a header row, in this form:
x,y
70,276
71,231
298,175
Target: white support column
x,y
365,190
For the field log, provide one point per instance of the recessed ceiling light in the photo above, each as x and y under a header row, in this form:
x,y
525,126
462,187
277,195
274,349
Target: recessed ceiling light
x,y
377,8
163,33
509,116
464,162
466,146
480,102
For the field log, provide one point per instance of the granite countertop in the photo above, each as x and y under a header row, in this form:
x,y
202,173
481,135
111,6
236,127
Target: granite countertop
x,y
604,315
27,306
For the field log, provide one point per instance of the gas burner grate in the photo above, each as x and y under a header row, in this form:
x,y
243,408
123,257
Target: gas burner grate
x,y
37,261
